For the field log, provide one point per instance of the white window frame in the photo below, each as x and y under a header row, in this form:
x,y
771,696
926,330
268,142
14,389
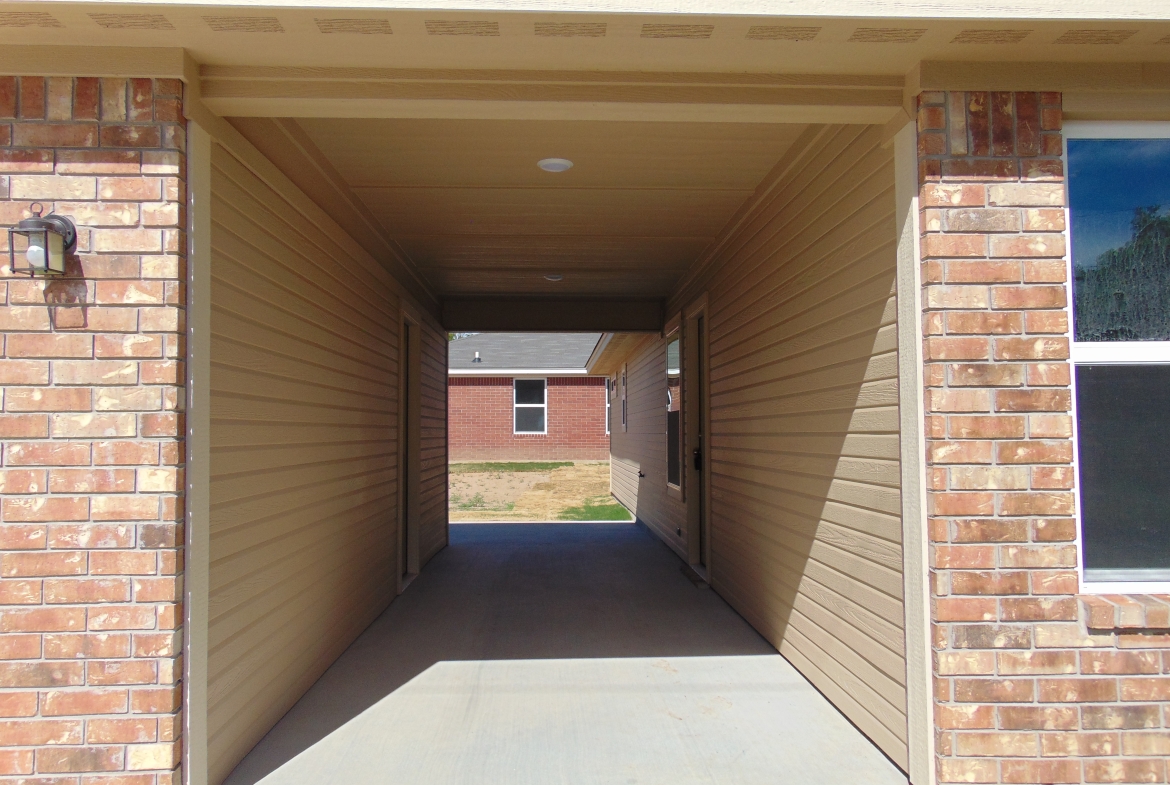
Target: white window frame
x,y
608,398
1104,352
516,406
625,409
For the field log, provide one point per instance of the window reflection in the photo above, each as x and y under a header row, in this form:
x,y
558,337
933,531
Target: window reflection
x,y
1119,206
673,414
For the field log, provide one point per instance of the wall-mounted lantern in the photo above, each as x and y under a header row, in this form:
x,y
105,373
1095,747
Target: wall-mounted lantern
x,y
38,245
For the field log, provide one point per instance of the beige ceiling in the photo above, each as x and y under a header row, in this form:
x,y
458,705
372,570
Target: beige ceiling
x,y
467,203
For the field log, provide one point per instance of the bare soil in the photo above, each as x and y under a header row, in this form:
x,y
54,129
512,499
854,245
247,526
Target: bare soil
x,y
527,496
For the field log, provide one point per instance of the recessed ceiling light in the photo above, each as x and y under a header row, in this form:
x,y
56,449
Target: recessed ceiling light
x,y
554,277
555,164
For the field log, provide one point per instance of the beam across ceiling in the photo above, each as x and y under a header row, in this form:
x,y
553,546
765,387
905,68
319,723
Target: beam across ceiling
x,y
256,91
552,314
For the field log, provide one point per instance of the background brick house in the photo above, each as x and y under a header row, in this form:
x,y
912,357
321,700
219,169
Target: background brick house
x,y
525,396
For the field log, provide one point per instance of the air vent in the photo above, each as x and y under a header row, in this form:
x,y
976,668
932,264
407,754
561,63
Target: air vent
x,y
990,37
781,33
887,35
442,27
1095,37
244,24
359,26
677,31
28,19
571,29
132,21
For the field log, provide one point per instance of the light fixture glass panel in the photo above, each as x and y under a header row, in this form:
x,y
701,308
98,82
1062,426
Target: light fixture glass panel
x,y
1123,429
55,261
1119,207
530,419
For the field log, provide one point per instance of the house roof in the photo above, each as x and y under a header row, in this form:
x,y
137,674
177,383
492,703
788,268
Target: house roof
x,y
564,353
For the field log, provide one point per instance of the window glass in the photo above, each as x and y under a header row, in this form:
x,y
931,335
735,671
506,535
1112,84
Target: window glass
x,y
530,419
1119,207
673,414
530,391
1123,435
530,410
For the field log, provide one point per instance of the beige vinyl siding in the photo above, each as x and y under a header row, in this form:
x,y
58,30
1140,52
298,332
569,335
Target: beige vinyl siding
x,y
304,392
642,447
804,449
432,524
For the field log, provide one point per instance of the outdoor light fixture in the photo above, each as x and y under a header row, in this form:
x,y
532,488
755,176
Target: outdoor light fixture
x,y
40,243
555,164
554,277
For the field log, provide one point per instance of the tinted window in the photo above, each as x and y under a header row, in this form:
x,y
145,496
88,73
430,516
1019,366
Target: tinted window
x,y
530,419
1123,432
673,414
1119,208
529,391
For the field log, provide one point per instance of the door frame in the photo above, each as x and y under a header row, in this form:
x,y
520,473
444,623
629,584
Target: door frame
x,y
697,408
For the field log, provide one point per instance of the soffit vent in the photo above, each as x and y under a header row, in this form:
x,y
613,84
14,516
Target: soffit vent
x,y
461,27
28,19
132,21
1094,37
781,33
244,24
359,26
990,37
677,31
571,29
887,35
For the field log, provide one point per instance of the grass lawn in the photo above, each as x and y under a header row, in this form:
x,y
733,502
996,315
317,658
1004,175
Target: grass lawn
x,y
599,509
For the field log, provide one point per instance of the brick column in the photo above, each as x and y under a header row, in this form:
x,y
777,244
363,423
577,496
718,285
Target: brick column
x,y
1028,687
92,375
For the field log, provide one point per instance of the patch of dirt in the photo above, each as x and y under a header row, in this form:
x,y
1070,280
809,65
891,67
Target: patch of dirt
x,y
526,496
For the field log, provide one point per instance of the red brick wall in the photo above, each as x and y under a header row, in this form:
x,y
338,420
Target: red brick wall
x,y
479,417
1033,684
91,430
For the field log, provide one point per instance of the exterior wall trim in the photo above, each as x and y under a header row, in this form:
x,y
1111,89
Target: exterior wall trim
x,y
197,550
915,546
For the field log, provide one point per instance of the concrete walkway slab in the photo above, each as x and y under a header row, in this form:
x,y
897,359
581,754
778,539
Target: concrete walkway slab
x,y
561,653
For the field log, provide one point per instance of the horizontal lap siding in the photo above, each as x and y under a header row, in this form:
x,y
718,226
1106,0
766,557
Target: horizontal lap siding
x,y
433,453
641,446
304,455
806,539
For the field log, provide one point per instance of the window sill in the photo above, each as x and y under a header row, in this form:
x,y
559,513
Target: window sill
x,y
1127,614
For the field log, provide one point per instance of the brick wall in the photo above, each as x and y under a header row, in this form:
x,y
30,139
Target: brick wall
x,y
91,430
479,416
1033,683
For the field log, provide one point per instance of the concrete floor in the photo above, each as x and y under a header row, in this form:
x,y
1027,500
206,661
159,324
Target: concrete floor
x,y
561,653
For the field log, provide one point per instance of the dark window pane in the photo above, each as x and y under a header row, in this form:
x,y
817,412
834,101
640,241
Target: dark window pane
x,y
530,391
672,448
1119,207
673,414
1123,440
530,419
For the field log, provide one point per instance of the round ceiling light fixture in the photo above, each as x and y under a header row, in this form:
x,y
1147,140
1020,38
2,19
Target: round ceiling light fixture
x,y
555,164
554,277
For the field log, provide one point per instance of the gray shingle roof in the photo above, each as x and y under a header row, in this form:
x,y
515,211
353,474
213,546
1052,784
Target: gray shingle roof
x,y
522,351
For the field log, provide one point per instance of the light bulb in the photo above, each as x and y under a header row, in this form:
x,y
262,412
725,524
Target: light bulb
x,y
35,256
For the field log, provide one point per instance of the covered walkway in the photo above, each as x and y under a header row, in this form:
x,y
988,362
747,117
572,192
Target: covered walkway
x,y
561,653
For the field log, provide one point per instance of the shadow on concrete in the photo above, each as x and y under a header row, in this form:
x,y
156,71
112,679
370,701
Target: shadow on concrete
x,y
516,592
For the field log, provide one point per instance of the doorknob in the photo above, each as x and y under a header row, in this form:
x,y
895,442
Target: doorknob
x,y
698,455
